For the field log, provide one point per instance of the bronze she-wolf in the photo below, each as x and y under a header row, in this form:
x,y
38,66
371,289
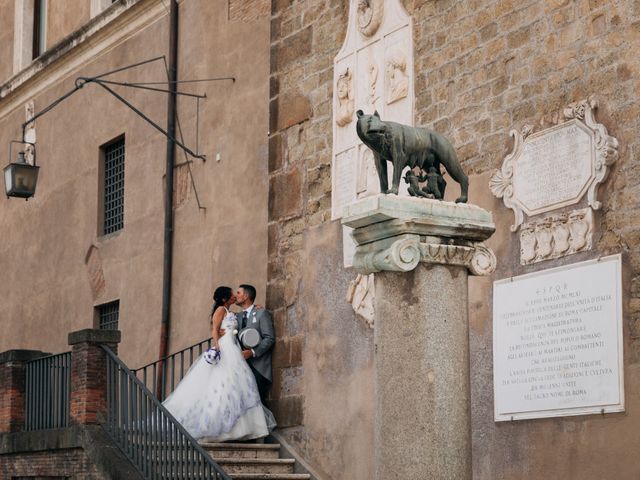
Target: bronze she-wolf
x,y
406,146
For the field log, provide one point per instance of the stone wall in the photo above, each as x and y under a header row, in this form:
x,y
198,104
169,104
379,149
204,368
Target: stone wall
x,y
323,380
482,68
50,465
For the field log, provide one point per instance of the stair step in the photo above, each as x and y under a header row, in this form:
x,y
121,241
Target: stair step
x,y
256,465
270,476
242,450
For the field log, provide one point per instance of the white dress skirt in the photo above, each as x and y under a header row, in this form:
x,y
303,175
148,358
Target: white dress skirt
x,y
220,402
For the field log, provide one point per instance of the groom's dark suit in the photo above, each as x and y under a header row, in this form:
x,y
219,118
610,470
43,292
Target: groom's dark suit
x,y
260,363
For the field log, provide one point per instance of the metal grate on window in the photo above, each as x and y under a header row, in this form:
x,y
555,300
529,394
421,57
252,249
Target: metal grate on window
x,y
114,186
109,313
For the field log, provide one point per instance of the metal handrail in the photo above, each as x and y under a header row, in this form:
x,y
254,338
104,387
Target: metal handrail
x,y
162,376
152,439
47,392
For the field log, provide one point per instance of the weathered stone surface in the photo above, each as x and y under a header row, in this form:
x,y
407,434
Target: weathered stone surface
x,y
285,195
289,411
276,153
293,109
294,47
247,10
472,84
433,381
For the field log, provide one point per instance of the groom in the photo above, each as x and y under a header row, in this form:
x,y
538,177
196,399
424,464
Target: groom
x,y
259,358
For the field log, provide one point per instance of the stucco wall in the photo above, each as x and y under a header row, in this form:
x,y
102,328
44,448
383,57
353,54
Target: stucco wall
x,y
59,21
47,289
481,68
6,38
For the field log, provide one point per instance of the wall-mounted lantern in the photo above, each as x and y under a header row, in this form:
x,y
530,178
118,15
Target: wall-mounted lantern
x,y
20,177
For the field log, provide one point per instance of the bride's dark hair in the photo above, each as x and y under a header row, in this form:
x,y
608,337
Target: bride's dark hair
x,y
220,296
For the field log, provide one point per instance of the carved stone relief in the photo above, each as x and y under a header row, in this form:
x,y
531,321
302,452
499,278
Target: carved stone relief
x,y
373,96
367,181
555,167
361,296
344,108
396,71
556,236
372,71
369,14
377,55
404,252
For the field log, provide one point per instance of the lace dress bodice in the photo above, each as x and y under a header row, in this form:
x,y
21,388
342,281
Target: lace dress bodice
x,y
229,322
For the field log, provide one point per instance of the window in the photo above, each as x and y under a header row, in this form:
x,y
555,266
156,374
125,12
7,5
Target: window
x,y
113,186
29,32
108,315
39,27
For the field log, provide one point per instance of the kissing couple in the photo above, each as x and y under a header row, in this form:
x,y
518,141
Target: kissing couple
x,y
221,398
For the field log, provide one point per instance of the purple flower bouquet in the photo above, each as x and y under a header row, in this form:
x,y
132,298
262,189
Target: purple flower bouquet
x,y
212,356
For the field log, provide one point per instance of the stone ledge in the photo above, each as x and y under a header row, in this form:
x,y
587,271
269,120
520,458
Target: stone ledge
x,y
90,335
102,452
430,217
21,355
41,440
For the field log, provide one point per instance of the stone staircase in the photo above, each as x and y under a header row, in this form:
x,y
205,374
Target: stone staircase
x,y
253,461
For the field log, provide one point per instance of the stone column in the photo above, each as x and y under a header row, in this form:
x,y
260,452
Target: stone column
x,y
421,251
13,374
89,374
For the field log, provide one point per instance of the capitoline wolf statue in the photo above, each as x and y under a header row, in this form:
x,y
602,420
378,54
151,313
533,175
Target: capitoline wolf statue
x,y
412,147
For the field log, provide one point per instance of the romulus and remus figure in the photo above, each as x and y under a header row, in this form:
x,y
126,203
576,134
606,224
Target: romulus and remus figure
x,y
406,146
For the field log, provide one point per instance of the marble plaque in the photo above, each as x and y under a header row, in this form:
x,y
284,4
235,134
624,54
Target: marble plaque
x,y
343,185
554,167
557,166
557,342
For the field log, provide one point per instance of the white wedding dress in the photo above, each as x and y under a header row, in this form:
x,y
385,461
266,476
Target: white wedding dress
x,y
220,402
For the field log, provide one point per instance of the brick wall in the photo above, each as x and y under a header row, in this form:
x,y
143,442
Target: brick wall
x,y
12,388
482,67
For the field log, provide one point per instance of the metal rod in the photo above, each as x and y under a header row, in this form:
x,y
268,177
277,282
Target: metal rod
x,y
198,80
50,107
128,67
151,122
142,87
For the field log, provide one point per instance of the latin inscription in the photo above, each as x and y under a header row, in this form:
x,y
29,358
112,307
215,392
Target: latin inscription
x,y
553,168
344,188
557,342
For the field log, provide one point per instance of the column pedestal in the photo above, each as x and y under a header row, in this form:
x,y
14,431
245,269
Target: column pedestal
x,y
421,251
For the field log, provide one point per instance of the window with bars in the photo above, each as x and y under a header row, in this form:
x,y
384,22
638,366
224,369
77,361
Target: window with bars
x,y
108,315
113,197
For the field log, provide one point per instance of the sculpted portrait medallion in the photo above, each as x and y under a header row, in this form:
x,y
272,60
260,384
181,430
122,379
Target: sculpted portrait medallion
x,y
344,108
370,16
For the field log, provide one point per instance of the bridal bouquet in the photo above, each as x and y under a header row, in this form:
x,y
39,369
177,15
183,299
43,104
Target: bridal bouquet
x,y
212,356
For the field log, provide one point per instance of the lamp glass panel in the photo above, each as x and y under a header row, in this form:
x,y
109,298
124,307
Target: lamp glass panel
x,y
8,179
25,178
21,179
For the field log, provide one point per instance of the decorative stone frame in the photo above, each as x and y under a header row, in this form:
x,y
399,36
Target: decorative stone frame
x,y
604,152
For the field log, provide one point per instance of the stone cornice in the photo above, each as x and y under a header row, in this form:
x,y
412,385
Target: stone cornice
x,y
396,233
102,33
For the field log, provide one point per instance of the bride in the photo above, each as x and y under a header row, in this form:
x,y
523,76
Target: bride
x,y
220,402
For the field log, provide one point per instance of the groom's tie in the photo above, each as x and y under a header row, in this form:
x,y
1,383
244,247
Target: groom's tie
x,y
244,319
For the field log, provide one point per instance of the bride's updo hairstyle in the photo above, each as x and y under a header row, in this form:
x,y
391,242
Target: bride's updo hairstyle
x,y
220,296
